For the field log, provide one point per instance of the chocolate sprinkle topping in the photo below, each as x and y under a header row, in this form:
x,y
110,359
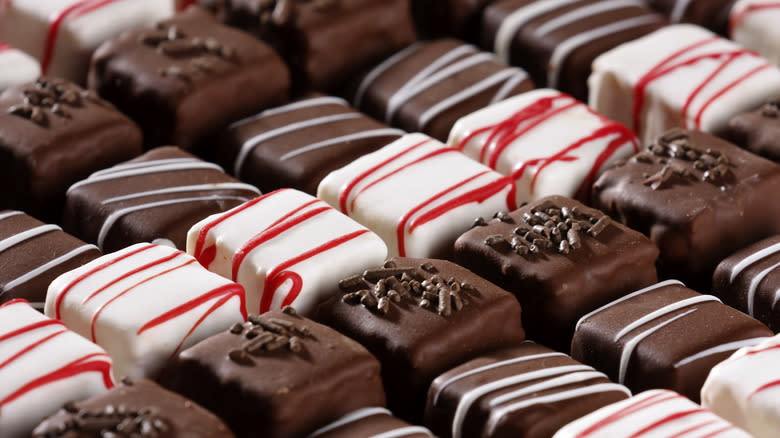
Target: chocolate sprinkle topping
x,y
55,96
112,422
265,334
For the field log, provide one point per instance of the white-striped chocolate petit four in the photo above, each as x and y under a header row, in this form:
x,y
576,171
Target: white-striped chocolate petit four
x,y
371,422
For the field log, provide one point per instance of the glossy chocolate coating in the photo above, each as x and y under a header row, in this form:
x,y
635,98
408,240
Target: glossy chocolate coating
x,y
758,131
749,280
712,14
188,77
695,216
290,379
438,18
52,134
417,341
657,338
370,422
139,408
555,287
151,207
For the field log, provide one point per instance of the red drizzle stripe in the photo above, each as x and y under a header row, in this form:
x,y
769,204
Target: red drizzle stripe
x,y
278,274
626,136
130,273
628,410
31,347
728,87
668,419
692,428
764,387
29,328
736,19
719,431
14,301
731,57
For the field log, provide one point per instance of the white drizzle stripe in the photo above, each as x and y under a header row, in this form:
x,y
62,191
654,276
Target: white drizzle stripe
x,y
680,6
509,85
752,258
582,13
9,214
382,132
489,367
183,189
250,144
564,395
381,68
350,418
628,349
193,165
404,431
628,297
141,164
467,93
303,104
116,215
26,235
564,49
468,398
45,267
557,382
517,19
754,282
777,297
664,311
730,346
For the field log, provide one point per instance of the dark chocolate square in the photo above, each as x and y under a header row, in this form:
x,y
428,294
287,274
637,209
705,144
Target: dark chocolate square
x,y
279,373
52,134
561,259
298,144
156,197
525,391
758,131
697,197
664,336
188,77
421,317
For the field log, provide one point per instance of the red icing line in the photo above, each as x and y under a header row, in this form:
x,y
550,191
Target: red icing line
x,y
692,428
31,347
764,387
668,419
278,274
14,301
727,88
130,273
29,328
719,431
628,410
737,18
4,46
704,83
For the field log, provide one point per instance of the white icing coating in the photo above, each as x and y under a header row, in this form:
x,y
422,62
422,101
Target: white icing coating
x,y
679,76
303,104
753,24
745,389
33,347
357,136
51,264
430,192
512,23
651,414
284,263
380,69
112,174
16,67
540,172
144,304
729,346
18,238
679,10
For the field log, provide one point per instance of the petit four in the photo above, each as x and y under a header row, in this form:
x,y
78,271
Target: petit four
x,y
753,24
16,67
759,130
373,422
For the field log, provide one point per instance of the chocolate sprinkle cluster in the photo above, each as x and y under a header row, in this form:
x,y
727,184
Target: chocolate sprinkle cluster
x,y
55,96
549,228
281,12
771,109
112,422
173,43
264,334
375,289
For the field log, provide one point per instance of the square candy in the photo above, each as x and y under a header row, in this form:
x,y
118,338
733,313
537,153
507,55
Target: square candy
x,y
712,14
186,78
749,280
156,197
285,248
430,85
697,197
557,40
62,34
298,144
663,336
279,374
144,305
42,366
418,194
524,391
561,260
656,414
758,131
33,254
370,422
547,141
52,134
16,67
753,24
679,76
421,317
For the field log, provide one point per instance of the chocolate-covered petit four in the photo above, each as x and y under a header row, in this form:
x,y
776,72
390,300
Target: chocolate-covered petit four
x,y
439,18
712,14
527,391
548,142
373,422
697,197
745,389
749,280
680,76
144,304
753,24
156,197
186,78
663,336
418,194
279,371
52,134
285,248
421,317
429,85
758,131
33,254
298,144
556,41
16,67
43,365
135,408
656,414
561,260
